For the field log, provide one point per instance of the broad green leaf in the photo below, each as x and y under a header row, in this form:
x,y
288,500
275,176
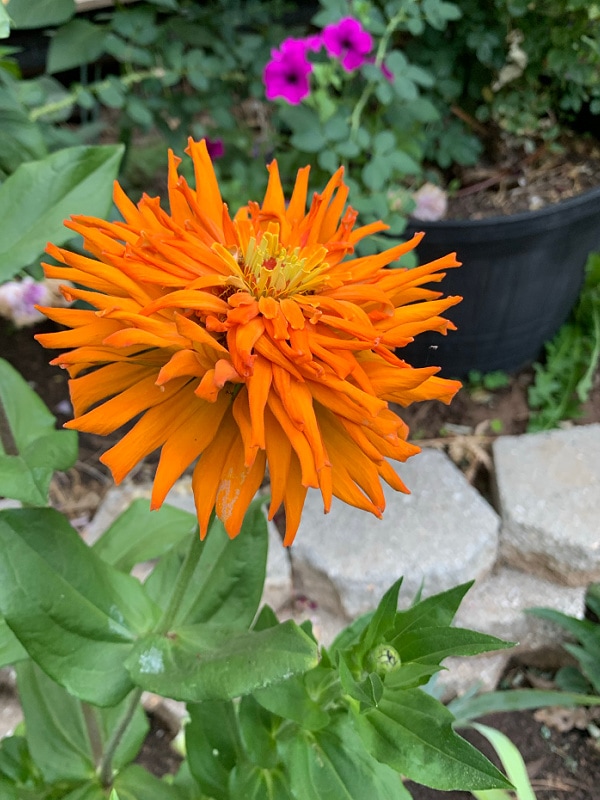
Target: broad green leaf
x,y
41,448
588,660
227,583
139,534
11,649
22,139
212,743
467,709
58,728
36,199
334,763
364,694
411,675
39,13
248,782
58,598
15,760
78,42
434,612
206,662
351,634
54,727
512,761
290,700
258,731
136,783
90,790
412,733
432,645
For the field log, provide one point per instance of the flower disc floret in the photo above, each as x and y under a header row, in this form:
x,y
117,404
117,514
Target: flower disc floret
x,y
237,344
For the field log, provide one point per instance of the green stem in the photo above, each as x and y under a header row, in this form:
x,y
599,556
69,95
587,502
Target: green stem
x,y
106,769
181,584
66,102
379,57
162,626
93,732
7,439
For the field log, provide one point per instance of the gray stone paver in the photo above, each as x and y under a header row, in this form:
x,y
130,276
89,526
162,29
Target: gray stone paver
x,y
442,534
549,492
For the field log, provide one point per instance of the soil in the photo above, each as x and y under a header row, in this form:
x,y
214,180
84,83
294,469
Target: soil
x,y
515,180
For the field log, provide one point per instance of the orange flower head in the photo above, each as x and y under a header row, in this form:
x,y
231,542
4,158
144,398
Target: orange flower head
x,y
245,343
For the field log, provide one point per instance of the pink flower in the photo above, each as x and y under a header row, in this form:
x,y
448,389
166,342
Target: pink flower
x,y
431,203
348,41
287,74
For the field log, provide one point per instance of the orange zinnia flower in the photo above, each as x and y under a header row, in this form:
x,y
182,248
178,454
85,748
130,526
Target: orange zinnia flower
x,y
246,342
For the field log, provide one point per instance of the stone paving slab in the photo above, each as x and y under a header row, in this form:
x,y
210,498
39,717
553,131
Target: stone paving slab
x,y
549,494
442,534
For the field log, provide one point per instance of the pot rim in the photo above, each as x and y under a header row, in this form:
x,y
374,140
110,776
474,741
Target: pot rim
x,y
563,211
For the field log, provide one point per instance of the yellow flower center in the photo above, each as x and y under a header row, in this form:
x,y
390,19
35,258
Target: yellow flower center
x,y
271,270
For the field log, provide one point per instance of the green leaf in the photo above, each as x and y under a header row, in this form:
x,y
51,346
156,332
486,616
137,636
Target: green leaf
x,y
290,700
54,726
4,23
334,763
363,693
58,728
258,730
58,598
206,662
432,645
139,534
35,200
90,790
412,733
383,618
39,14
310,141
512,761
212,742
22,139
227,583
11,649
136,783
41,448
466,709
78,42
15,761
248,782
195,64
434,612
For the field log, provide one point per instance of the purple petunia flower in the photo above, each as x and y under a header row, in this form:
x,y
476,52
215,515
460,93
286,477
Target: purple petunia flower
x,y
287,74
215,147
348,41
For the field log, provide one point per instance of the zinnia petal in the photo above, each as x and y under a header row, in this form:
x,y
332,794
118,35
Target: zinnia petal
x,y
250,344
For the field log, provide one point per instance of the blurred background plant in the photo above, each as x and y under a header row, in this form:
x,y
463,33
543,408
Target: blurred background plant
x,y
436,84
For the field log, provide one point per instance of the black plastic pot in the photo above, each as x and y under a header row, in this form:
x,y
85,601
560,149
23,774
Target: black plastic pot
x,y
520,278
